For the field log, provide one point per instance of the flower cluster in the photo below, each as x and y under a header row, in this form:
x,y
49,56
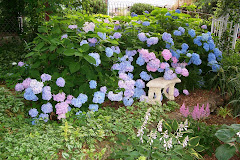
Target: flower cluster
x,y
197,113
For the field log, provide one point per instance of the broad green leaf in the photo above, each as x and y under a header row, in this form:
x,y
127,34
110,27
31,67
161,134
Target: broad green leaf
x,y
74,67
43,37
84,48
225,135
225,152
36,65
69,52
167,126
42,29
199,148
39,46
29,54
174,125
194,141
90,59
52,47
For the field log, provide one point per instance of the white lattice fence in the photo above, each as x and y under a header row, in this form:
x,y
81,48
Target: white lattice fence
x,y
220,25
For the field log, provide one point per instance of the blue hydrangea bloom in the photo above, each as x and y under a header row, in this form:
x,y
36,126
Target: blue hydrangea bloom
x,y
144,76
192,33
167,14
44,116
176,54
187,24
140,61
102,35
177,33
189,55
133,14
166,36
215,67
197,40
177,11
205,37
60,82
33,112
138,92
146,12
93,84
146,23
98,97
152,41
185,47
93,107
206,47
218,54
81,99
199,71
69,109
140,84
96,57
79,113
160,70
195,59
47,108
109,52
127,102
181,29
130,75
29,95
142,37
211,44
83,42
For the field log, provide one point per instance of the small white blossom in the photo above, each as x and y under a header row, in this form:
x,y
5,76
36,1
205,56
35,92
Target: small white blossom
x,y
238,133
159,126
36,86
185,141
168,144
14,63
151,136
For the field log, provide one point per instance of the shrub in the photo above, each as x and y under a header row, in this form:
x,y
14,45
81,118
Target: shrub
x,y
98,6
120,53
139,8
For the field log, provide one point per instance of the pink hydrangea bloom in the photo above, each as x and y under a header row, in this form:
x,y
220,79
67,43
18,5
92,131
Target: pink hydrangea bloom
x,y
184,110
128,93
61,108
166,54
19,87
60,116
175,60
60,97
26,82
185,92
185,72
69,99
89,27
163,65
204,26
146,55
153,65
121,84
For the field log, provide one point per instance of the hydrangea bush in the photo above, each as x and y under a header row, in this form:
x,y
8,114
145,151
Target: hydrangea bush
x,y
94,58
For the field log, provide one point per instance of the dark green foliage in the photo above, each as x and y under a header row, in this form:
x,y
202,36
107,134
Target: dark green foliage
x,y
98,7
227,80
139,8
206,6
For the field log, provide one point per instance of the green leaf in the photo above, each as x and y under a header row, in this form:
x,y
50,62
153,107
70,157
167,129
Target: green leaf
x,y
167,126
74,67
65,155
225,152
42,29
78,54
225,135
29,54
43,37
174,125
36,65
52,47
69,52
39,46
199,148
90,59
84,48
114,42
194,141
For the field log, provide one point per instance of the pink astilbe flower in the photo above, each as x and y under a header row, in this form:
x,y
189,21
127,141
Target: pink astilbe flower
x,y
207,110
184,110
196,112
166,54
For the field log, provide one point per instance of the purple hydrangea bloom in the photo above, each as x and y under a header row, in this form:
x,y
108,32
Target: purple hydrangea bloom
x,y
117,35
45,117
60,82
142,37
93,107
33,112
169,75
60,97
20,64
93,84
64,36
152,41
116,49
46,77
115,97
166,36
47,108
61,108
26,82
204,26
185,92
103,89
102,35
178,70
19,87
46,93
72,26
